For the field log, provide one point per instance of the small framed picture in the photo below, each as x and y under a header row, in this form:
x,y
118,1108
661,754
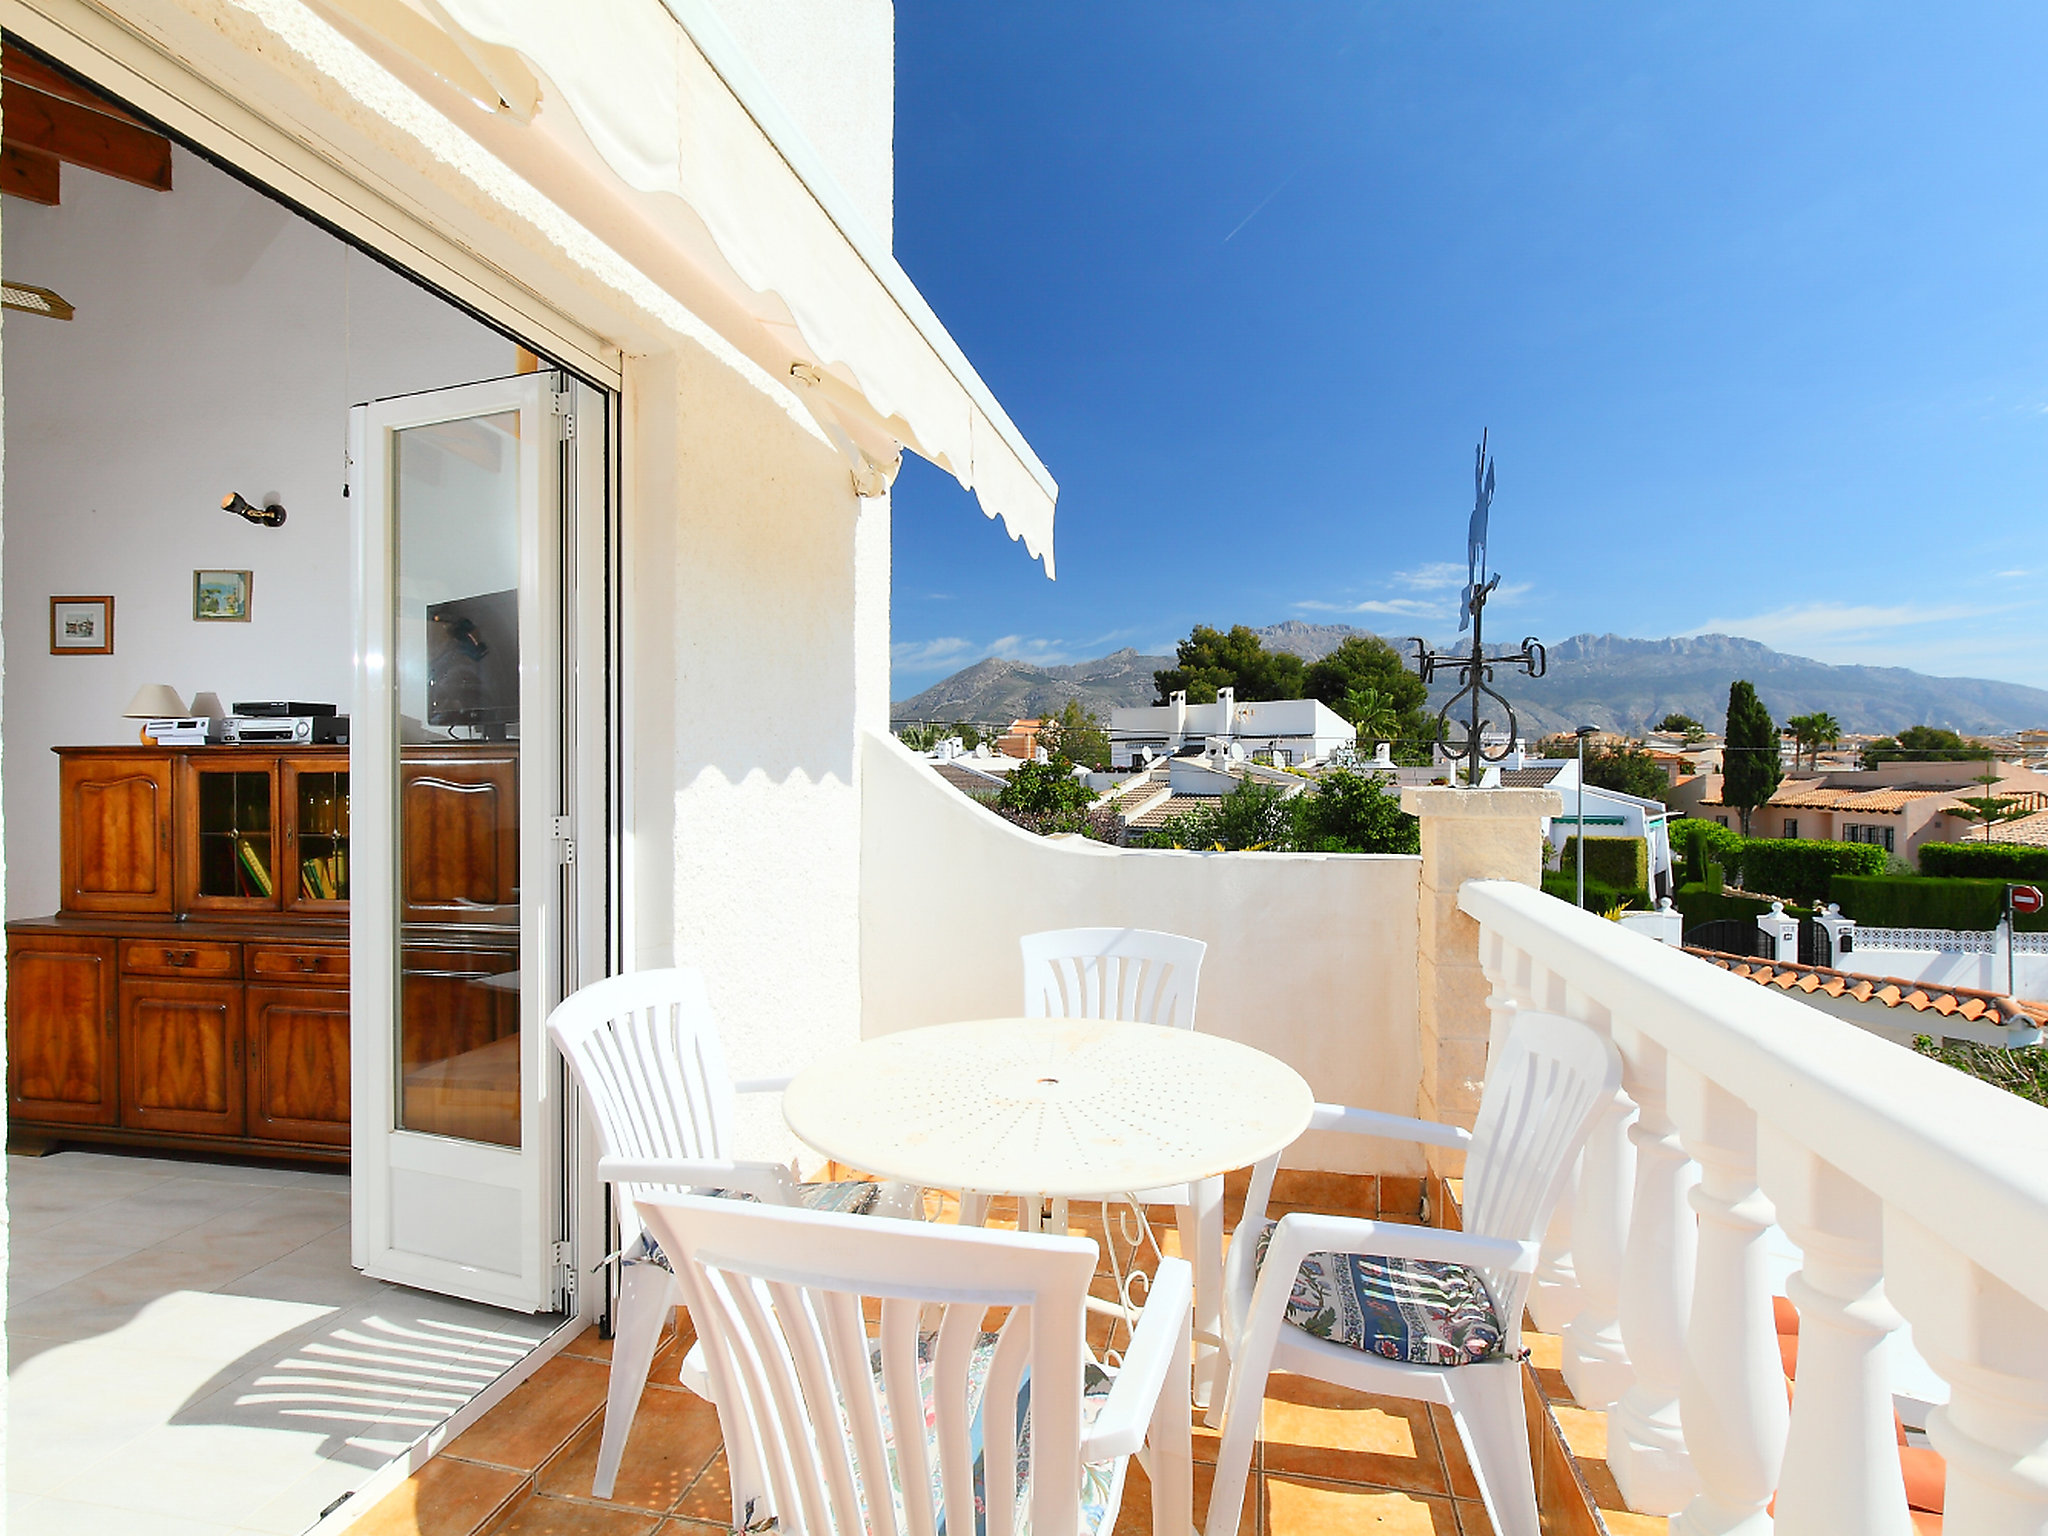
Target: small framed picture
x,y
221,594
81,626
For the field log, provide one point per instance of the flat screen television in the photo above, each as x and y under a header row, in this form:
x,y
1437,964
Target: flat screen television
x,y
473,663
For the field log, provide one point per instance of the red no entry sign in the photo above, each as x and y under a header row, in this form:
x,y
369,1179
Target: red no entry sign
x,y
2027,899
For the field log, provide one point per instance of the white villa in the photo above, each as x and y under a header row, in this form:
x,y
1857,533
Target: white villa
x,y
1290,731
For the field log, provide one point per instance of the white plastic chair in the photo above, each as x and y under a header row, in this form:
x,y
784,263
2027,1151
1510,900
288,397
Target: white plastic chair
x,y
825,1422
644,1048
1151,978
1551,1077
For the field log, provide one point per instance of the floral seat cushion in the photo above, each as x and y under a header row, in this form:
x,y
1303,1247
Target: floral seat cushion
x,y
1419,1310
847,1197
1101,1481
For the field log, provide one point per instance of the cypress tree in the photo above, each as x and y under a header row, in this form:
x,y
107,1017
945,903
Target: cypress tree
x,y
1750,769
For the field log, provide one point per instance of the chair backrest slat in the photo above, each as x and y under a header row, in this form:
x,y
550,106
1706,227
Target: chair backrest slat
x,y
1132,974
645,1049
778,1295
1550,1078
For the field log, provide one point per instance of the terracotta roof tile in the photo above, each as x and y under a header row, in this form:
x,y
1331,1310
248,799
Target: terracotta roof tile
x,y
967,781
1170,807
1892,992
1529,778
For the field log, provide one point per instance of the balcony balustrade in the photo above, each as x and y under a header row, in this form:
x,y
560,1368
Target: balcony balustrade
x,y
1914,1193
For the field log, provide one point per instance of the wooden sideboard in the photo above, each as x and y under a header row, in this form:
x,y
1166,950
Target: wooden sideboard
x,y
193,991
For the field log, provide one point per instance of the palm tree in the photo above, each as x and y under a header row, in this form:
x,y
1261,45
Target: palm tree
x,y
1827,732
1373,713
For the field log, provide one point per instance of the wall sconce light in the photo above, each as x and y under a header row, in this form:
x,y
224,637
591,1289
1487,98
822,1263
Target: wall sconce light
x,y
271,516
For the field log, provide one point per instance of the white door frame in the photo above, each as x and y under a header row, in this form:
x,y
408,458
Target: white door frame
x,y
461,1217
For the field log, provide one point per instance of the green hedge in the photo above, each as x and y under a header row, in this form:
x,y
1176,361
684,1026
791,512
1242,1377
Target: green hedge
x,y
1699,843
1701,904
1600,896
1994,861
1620,862
1922,901
1802,867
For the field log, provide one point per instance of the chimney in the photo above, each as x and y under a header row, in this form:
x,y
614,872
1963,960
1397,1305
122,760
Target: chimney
x,y
1178,702
1227,699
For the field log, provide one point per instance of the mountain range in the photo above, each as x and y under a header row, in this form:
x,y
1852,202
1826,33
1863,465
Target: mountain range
x,y
1605,680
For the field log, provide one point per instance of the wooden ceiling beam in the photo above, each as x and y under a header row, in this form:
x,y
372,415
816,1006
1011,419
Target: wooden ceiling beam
x,y
36,120
20,67
27,174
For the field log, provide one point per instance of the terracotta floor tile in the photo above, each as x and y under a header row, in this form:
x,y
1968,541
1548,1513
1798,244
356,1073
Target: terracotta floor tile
x,y
443,1498
1621,1523
1473,1519
693,1528
588,1346
539,1416
1463,1484
1134,1516
1313,1429
1400,1198
543,1516
1297,1506
1584,1431
710,1497
674,1437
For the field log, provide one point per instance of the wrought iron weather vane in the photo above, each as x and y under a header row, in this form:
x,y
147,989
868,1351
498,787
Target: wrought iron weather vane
x,y
1474,668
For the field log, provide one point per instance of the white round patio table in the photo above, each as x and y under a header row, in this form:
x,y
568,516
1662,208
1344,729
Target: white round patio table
x,y
1076,1108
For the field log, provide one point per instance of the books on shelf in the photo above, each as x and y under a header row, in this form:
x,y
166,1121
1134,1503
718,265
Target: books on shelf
x,y
253,867
325,879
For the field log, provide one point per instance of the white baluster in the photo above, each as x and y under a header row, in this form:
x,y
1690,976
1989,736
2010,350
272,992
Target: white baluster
x,y
1596,1364
1554,1292
1841,1456
1732,1394
1991,1345
1645,1442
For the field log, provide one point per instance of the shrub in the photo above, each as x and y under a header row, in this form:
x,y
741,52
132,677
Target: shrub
x,y
1252,817
1043,789
1699,842
1802,867
2023,1072
1994,861
1621,862
1354,813
1921,901
1600,896
1700,904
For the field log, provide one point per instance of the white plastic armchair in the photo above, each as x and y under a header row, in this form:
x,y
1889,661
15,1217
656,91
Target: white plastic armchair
x,y
1151,978
825,1419
1550,1079
645,1050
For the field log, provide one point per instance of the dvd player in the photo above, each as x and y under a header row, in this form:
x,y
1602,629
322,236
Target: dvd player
x,y
279,709
267,730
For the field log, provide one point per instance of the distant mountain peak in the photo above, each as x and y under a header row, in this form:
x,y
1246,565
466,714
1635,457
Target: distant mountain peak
x,y
1613,681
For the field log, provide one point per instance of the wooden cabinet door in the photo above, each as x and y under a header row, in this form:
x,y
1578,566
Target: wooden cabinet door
x,y
181,1056
229,847
298,1064
61,1012
458,839
115,832
313,811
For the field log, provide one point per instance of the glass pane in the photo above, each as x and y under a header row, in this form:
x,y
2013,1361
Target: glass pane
x,y
456,515
234,835
323,836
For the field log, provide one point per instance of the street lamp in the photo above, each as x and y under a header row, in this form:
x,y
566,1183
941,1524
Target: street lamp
x,y
1582,733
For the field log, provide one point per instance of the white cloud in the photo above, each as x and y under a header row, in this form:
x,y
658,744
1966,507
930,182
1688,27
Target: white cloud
x,y
2013,575
1836,623
1437,576
1400,607
928,655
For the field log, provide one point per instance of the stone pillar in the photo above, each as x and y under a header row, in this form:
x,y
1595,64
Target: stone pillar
x,y
1467,834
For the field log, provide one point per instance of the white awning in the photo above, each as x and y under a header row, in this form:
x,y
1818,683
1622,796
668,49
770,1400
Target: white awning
x,y
672,105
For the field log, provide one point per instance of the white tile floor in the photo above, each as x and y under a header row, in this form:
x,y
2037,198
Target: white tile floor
x,y
190,1354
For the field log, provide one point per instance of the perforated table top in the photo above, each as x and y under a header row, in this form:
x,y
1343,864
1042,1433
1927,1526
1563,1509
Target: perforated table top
x,y
1070,1107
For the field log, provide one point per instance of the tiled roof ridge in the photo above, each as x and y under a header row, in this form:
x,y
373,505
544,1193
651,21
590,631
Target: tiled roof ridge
x,y
1888,991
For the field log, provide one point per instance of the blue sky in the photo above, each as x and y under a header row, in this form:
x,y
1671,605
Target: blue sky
x,y
1752,299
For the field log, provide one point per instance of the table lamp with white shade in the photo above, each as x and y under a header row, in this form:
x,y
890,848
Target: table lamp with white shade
x,y
154,701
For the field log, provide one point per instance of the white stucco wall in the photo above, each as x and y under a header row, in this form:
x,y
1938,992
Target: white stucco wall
x,y
219,342
1312,957
832,63
750,648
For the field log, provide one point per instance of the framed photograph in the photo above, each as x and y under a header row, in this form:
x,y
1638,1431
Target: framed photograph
x,y
81,626
221,595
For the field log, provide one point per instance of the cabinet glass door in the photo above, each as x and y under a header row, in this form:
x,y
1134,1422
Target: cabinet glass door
x,y
233,855
454,767
316,805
